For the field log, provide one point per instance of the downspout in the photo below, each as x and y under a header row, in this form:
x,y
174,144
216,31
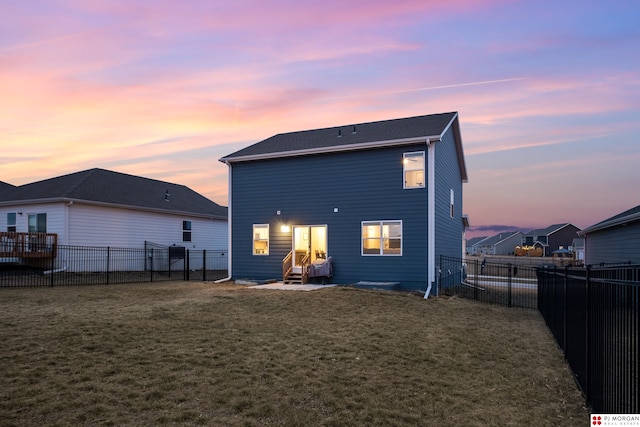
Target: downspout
x,y
228,228
431,217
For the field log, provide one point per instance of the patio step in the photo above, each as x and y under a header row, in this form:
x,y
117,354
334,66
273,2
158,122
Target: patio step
x,y
293,279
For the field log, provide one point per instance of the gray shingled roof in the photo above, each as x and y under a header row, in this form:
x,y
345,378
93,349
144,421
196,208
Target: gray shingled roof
x,y
6,190
546,231
630,215
497,238
352,136
475,240
115,188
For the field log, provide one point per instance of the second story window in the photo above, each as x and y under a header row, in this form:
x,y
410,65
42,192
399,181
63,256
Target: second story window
x,y
186,231
413,169
452,209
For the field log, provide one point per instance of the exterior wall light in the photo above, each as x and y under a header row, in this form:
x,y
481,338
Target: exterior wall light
x,y
285,228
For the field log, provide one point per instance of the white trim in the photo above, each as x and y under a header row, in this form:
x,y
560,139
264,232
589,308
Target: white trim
x,y
381,238
253,239
333,149
229,219
431,217
404,170
452,205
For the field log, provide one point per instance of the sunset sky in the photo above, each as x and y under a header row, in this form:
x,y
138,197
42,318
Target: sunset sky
x,y
548,92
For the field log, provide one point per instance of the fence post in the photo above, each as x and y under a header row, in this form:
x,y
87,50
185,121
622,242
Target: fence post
x,y
204,265
564,311
587,380
151,265
108,262
186,269
52,268
475,288
509,282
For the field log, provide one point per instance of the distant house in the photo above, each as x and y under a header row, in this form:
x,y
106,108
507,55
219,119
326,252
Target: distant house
x,y
614,240
577,246
382,200
98,207
500,244
472,245
552,238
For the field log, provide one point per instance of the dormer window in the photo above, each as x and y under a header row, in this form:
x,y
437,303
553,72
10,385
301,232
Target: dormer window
x,y
413,169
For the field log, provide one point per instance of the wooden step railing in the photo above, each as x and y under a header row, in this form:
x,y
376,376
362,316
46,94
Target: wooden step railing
x,y
287,267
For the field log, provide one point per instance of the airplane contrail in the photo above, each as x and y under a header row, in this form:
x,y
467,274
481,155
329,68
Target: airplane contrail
x,y
485,82
48,41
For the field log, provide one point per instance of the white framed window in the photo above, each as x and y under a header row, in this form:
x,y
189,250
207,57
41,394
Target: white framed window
x,y
261,239
413,169
11,222
452,210
381,238
37,223
186,231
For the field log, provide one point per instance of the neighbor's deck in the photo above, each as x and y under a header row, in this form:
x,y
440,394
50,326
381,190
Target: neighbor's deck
x,y
28,245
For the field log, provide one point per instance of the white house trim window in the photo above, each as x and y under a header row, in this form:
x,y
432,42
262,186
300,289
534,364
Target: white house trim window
x,y
452,210
413,169
381,238
37,223
261,239
186,231
11,222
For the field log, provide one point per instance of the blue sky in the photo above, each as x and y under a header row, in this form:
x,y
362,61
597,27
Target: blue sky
x,y
548,92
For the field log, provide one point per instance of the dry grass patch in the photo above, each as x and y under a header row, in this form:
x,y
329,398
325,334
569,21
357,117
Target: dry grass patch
x,y
205,354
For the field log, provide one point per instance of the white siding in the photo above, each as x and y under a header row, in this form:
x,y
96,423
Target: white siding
x,y
86,225
55,217
104,226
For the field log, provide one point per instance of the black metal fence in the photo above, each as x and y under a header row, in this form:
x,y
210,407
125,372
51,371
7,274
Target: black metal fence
x,y
505,284
85,265
593,315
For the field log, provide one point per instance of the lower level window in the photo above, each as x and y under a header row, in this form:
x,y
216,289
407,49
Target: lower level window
x,y
261,239
11,222
186,231
37,223
382,238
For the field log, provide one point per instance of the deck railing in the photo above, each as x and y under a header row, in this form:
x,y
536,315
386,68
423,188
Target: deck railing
x,y
28,245
287,265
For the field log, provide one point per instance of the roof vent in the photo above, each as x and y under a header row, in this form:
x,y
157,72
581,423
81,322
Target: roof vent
x,y
339,133
354,129
166,196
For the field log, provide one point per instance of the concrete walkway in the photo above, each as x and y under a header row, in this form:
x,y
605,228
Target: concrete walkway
x,y
282,287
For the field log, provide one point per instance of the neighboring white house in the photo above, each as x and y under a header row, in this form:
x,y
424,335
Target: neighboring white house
x,y
102,208
499,244
472,245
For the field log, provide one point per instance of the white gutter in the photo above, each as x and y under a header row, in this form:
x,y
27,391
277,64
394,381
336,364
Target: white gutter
x,y
431,217
228,227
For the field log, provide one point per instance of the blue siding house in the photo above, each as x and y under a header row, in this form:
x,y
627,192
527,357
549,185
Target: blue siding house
x,y
614,240
380,201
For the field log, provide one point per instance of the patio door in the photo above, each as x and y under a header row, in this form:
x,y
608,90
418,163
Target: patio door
x,y
308,240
